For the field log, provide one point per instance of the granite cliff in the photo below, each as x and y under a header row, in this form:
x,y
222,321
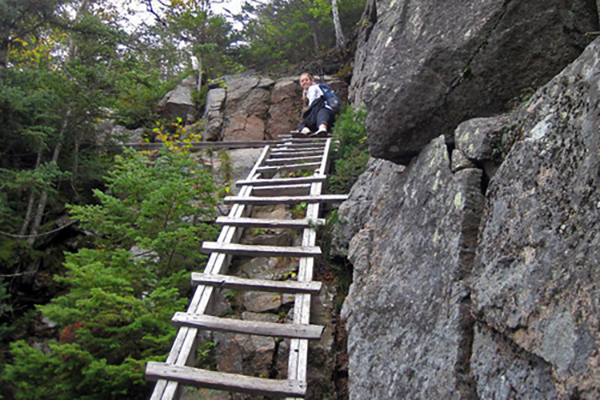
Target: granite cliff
x,y
474,231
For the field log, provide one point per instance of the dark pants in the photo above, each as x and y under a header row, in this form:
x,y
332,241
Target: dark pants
x,y
317,115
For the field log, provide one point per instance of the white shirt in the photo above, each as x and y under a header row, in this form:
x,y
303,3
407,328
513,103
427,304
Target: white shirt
x,y
313,93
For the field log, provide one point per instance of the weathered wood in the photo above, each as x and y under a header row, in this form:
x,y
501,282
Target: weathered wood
x,y
282,181
225,381
324,198
253,250
204,145
288,190
291,150
259,328
297,145
270,223
289,167
294,153
258,285
298,355
184,348
279,161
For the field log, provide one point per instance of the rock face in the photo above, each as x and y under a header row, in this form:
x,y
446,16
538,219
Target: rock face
x,y
247,107
477,277
423,67
409,262
178,102
538,264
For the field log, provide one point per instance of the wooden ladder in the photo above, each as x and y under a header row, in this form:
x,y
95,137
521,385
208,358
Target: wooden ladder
x,y
262,186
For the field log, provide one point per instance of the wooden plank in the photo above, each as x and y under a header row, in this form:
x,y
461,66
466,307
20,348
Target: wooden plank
x,y
183,350
259,328
289,190
289,167
283,181
258,285
324,198
298,150
297,145
292,153
298,355
205,145
225,381
269,251
279,161
270,223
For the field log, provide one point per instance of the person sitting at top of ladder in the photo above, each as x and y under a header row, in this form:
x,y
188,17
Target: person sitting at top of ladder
x,y
322,103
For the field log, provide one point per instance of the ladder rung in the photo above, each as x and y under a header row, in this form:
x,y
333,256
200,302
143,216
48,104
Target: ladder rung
x,y
285,150
253,250
290,153
324,198
225,381
260,328
289,167
259,285
270,223
289,190
283,181
279,161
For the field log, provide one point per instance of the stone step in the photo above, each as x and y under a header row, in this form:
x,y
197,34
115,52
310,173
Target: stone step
x,y
260,328
258,285
261,251
225,381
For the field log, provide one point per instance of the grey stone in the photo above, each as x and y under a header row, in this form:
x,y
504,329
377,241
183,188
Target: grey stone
x,y
423,67
213,114
503,371
476,137
460,161
538,262
407,311
365,198
178,102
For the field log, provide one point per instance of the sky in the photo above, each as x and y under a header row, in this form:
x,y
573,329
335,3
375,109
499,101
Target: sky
x,y
218,7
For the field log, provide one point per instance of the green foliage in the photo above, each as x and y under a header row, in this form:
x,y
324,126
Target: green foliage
x,y
352,151
123,291
280,34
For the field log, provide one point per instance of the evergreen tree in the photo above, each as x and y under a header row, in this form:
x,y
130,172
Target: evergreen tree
x,y
124,290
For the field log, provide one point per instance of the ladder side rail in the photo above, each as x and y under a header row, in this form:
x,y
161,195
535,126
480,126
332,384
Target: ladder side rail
x,y
183,349
298,359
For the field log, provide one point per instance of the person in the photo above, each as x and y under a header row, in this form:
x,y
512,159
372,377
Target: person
x,y
319,117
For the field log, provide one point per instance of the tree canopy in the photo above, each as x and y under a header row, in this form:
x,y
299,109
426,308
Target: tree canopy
x,y
66,66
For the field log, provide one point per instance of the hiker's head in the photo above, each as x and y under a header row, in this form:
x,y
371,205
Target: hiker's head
x,y
306,80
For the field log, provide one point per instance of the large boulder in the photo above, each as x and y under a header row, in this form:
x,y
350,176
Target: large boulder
x,y
286,107
246,107
407,311
423,67
178,102
437,309
538,263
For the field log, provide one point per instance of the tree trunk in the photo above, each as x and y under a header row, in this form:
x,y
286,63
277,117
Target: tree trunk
x,y
340,40
27,218
39,213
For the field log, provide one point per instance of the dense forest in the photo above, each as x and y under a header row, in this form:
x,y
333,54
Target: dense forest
x,y
96,243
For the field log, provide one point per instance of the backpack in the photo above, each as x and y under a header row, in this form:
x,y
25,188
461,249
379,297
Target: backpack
x,y
331,98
